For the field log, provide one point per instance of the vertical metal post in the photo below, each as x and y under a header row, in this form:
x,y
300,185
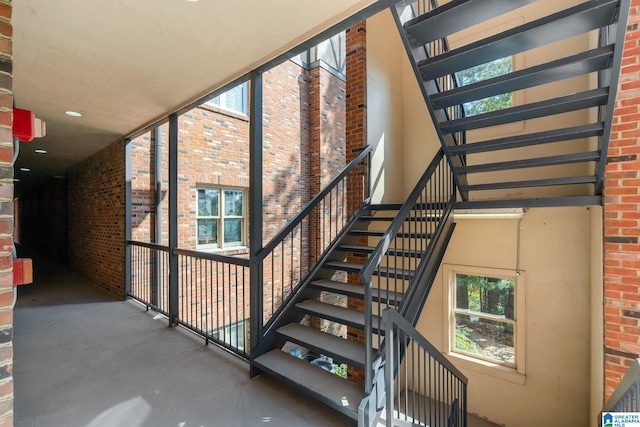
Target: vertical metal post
x,y
157,136
255,218
173,219
127,217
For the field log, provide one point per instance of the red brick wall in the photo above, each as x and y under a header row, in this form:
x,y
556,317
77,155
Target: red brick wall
x,y
96,190
6,216
621,218
356,137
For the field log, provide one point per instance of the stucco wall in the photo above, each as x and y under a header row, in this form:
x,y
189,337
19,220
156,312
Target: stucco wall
x,y
556,259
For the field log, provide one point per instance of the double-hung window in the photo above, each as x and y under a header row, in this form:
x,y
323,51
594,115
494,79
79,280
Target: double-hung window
x,y
220,218
485,316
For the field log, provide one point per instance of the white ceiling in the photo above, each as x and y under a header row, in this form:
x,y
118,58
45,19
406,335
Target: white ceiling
x,y
125,63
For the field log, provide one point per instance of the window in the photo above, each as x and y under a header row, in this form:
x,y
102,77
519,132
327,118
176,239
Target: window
x,y
482,72
485,307
220,218
236,334
233,100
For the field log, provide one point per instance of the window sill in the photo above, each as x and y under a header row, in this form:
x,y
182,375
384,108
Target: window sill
x,y
487,368
225,111
230,251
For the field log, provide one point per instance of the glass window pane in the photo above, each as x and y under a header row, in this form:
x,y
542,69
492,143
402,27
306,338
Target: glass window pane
x,y
207,231
482,72
233,230
487,338
491,295
208,202
233,203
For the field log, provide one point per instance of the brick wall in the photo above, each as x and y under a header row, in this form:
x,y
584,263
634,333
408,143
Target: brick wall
x,y
621,218
96,190
356,137
6,216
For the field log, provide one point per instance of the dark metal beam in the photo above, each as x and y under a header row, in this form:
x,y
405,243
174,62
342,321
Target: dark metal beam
x,y
256,216
173,220
607,114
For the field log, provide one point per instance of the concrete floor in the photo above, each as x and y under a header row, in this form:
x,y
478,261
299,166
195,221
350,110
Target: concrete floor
x,y
83,358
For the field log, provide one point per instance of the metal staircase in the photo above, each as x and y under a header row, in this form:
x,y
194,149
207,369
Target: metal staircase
x,y
394,251
529,167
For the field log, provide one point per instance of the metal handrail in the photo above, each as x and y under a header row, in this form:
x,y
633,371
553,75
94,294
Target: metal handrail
x,y
278,238
376,256
243,262
449,395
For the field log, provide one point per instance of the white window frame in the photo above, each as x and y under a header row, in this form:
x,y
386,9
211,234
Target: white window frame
x,y
221,101
466,360
221,218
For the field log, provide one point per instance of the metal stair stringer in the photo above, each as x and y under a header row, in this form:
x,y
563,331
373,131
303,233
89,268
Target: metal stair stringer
x,y
424,27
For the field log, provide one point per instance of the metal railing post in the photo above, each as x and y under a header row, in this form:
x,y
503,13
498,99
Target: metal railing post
x,y
255,218
173,220
157,137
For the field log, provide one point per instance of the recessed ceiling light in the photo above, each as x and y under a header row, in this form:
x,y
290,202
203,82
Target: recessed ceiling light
x,y
15,180
25,169
40,151
73,114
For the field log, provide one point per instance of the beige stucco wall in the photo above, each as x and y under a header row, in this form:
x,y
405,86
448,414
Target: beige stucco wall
x,y
556,259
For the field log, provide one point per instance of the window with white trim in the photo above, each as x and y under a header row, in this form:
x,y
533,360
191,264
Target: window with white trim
x,y
485,310
220,217
234,100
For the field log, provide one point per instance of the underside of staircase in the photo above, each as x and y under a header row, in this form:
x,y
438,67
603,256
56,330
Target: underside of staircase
x,y
533,152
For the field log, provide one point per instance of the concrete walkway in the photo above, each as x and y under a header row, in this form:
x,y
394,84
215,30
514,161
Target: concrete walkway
x,y
83,358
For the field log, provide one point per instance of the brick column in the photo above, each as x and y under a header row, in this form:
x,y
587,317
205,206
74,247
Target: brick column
x,y
621,219
6,216
356,140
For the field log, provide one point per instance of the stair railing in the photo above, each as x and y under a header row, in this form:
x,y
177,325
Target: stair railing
x,y
398,260
312,231
626,397
424,390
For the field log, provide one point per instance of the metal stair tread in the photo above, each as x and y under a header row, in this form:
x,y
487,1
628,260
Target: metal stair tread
x,y
370,249
352,290
355,267
560,69
562,104
455,16
570,22
562,159
380,233
587,179
531,202
342,395
334,313
345,351
545,137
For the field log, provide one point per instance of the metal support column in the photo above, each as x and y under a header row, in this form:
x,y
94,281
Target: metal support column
x,y
127,217
157,136
173,219
255,209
